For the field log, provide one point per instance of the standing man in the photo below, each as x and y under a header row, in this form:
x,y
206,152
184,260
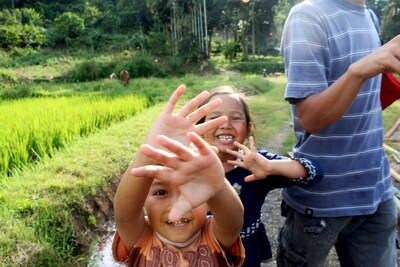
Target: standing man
x,y
334,62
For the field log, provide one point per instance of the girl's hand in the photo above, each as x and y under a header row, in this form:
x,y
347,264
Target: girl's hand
x,y
251,160
198,175
175,126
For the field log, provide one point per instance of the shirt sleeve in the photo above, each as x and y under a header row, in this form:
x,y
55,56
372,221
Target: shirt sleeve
x,y
314,173
306,54
119,251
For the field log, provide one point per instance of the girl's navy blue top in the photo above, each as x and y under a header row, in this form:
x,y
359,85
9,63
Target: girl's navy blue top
x,y
252,194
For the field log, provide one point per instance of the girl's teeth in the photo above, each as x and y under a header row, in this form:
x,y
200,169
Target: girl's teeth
x,y
225,137
178,223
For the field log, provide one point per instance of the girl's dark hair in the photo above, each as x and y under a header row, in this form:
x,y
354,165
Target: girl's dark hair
x,y
230,90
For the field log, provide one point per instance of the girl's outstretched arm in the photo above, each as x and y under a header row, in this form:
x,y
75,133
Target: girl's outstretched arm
x,y
200,178
261,167
132,190
281,171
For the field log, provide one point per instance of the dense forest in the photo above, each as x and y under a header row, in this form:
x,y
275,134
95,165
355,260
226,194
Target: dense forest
x,y
192,29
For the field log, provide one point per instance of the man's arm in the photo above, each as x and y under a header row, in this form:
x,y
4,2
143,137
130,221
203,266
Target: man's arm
x,y
321,110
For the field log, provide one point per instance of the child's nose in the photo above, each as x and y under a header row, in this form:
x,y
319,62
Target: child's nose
x,y
226,125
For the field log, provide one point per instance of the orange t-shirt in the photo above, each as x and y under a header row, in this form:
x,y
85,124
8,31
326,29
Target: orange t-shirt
x,y
203,251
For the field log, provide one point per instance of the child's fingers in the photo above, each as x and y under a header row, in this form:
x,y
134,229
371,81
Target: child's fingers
x,y
158,155
242,147
202,111
236,163
210,125
234,153
253,146
195,150
174,98
250,178
182,152
180,208
215,149
150,171
252,143
202,146
188,108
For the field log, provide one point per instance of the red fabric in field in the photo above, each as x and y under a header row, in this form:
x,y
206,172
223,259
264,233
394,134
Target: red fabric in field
x,y
390,89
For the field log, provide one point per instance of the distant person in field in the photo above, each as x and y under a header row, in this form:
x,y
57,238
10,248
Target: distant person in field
x,y
124,76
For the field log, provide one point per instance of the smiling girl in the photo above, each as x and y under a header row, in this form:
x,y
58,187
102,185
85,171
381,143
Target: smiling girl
x,y
251,172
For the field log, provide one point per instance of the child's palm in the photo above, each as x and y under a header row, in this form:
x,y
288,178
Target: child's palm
x,y
175,126
197,175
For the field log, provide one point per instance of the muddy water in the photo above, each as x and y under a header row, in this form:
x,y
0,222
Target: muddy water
x,y
102,256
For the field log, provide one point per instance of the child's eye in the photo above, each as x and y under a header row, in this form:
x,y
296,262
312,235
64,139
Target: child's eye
x,y
236,118
212,117
160,193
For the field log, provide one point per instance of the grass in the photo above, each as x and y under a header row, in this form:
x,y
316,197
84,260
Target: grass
x,y
36,127
390,117
269,111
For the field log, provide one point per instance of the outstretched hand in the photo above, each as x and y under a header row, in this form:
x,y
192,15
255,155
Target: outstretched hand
x,y
199,175
251,160
175,126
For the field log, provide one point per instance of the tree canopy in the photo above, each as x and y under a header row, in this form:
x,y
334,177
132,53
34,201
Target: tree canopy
x,y
183,26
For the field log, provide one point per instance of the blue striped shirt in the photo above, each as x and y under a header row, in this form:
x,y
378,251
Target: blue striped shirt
x,y
321,39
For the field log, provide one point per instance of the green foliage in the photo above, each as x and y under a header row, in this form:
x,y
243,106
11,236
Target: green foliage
x,y
231,50
189,49
18,57
20,90
6,78
28,16
272,64
107,42
268,109
217,47
90,71
9,36
90,14
175,65
54,227
157,44
7,18
92,220
391,29
34,128
68,25
21,29
142,65
137,40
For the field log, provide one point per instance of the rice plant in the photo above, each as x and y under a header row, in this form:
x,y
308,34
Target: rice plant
x,y
33,128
